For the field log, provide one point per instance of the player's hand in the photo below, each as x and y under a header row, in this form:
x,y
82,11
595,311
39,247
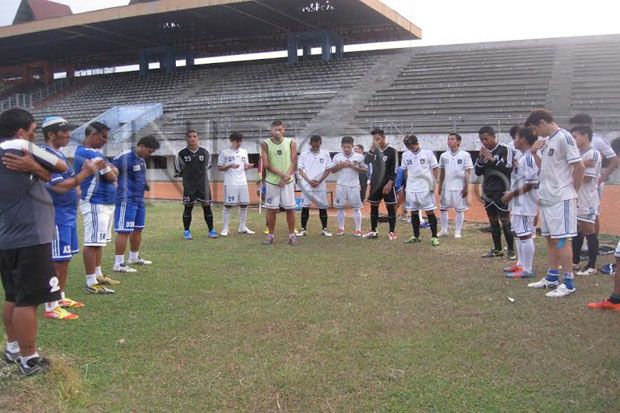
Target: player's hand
x,y
486,154
538,145
249,166
507,197
24,163
387,188
314,183
464,193
233,165
92,167
589,163
373,146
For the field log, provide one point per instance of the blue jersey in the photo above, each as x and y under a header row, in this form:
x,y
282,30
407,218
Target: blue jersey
x,y
65,205
95,189
131,177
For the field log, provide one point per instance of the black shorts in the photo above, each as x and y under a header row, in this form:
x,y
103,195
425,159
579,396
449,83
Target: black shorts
x,y
376,195
200,194
28,275
493,203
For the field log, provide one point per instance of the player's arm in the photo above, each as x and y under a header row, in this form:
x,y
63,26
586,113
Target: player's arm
x,y
504,163
61,186
466,181
26,164
325,174
614,162
578,174
440,178
294,158
480,166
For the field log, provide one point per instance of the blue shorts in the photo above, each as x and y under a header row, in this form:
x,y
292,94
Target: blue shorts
x,y
129,216
65,243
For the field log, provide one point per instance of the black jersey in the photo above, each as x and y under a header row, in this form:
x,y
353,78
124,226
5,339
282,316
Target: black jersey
x,y
496,173
193,167
383,166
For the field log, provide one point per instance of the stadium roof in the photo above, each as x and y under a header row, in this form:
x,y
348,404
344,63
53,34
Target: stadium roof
x,y
30,10
208,27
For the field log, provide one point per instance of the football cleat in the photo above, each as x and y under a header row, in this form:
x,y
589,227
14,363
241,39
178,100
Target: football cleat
x,y
187,235
412,240
609,269
370,235
340,232
292,240
224,233
601,305
561,291
266,231
513,268
392,236
106,280
98,289
442,233
587,271
59,313
69,303
326,233
268,240
493,254
543,283
35,365
139,261
212,233
302,233
246,230
124,268
434,241
357,233
10,357
457,235
521,274
511,255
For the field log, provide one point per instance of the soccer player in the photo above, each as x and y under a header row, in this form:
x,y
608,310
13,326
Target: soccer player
x,y
420,166
96,206
381,159
130,212
588,201
516,154
455,166
279,158
62,189
234,161
561,175
359,149
495,165
193,164
348,166
522,200
314,167
26,234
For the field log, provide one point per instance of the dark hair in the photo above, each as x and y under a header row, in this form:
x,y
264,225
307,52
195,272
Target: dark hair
x,y
45,131
581,119
615,145
456,135
190,131
347,139
13,120
410,139
537,115
149,141
528,135
486,129
95,127
582,130
236,136
360,146
277,123
514,131
377,131
315,138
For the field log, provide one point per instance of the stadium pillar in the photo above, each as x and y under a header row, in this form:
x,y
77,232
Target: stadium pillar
x,y
144,63
292,49
339,48
307,50
70,71
48,73
190,59
169,62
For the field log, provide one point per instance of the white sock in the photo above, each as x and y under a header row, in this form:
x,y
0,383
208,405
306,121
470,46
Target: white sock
x,y
51,305
24,359
91,279
528,249
460,219
421,216
357,218
12,346
443,219
243,217
98,271
118,260
62,295
519,253
226,218
341,218
134,255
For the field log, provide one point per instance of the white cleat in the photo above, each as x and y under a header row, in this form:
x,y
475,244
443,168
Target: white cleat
x,y
587,271
246,230
370,235
302,233
543,283
224,233
442,233
139,261
457,235
123,268
561,291
326,233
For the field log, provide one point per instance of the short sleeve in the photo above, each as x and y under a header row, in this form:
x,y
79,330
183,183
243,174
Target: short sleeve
x,y
328,161
469,163
433,160
221,159
592,171
571,152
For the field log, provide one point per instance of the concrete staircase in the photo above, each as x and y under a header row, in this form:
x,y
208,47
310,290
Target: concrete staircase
x,y
560,84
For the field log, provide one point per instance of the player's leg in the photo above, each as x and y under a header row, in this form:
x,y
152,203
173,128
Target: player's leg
x,y
305,216
390,204
135,238
244,201
207,213
230,200
523,228
613,302
225,220
375,196
496,231
11,351
428,200
320,197
124,225
188,206
444,205
340,203
287,199
458,223
504,217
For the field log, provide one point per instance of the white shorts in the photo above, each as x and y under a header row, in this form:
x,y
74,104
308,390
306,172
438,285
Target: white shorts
x,y
276,196
522,225
347,195
98,221
617,253
453,199
314,196
419,201
559,219
236,195
587,214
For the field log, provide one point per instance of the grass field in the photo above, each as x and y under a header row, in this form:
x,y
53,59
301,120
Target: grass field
x,y
328,325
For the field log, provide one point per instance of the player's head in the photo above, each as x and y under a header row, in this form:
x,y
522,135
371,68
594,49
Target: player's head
x,y
378,135
525,138
235,140
56,131
277,129
97,134
411,142
146,146
191,137
487,137
513,131
582,135
17,123
615,145
581,119
359,149
347,145
454,141
541,121
315,143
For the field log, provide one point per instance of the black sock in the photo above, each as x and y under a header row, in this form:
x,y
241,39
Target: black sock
x,y
415,223
510,240
305,216
496,234
208,216
615,298
323,216
374,217
577,244
432,222
592,249
187,216
391,209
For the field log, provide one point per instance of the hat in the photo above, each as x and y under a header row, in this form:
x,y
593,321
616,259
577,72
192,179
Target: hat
x,y
56,123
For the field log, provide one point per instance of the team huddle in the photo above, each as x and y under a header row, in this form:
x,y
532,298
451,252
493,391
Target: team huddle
x,y
545,174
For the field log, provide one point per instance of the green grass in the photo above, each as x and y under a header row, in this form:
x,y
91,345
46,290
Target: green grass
x,y
329,325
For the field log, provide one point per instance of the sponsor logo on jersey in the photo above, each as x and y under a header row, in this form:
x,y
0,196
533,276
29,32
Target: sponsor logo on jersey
x,y
551,152
279,151
201,158
460,161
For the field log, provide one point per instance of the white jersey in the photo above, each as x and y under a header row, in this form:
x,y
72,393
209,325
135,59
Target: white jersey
x,y
454,166
556,170
600,144
347,176
516,153
419,166
234,176
314,165
525,172
588,193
